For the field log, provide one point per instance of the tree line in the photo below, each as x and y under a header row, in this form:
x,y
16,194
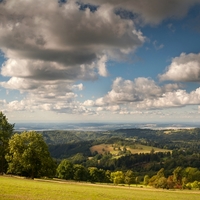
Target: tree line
x,y
69,171
181,178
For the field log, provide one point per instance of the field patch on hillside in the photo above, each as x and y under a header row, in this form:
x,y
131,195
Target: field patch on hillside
x,y
116,149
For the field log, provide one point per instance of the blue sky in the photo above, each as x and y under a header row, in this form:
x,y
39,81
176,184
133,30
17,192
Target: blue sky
x,y
100,61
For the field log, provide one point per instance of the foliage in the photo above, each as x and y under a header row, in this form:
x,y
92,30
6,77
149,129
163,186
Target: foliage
x,y
60,137
6,131
158,180
80,173
61,151
185,146
117,177
144,163
78,158
130,177
180,179
166,139
177,177
196,185
191,174
97,175
28,155
162,182
170,182
69,171
65,170
146,180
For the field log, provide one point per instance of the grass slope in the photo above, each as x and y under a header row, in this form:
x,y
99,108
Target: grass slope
x,y
137,148
19,189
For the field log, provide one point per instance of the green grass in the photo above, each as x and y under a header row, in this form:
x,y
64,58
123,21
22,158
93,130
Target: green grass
x,y
146,149
15,188
136,148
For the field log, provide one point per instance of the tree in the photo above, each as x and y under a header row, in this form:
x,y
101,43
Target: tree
x,y
129,177
107,176
6,130
191,174
170,182
146,180
117,177
136,180
28,155
96,175
162,182
80,173
158,180
177,177
65,170
195,185
160,173
78,158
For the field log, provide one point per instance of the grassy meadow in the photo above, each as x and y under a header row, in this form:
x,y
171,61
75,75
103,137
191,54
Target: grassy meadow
x,y
137,148
17,189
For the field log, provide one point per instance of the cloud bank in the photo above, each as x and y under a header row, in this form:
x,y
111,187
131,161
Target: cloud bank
x,y
49,46
150,12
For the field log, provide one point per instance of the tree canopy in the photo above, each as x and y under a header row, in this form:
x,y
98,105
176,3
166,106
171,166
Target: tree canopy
x,y
28,155
129,177
65,170
80,173
6,130
117,177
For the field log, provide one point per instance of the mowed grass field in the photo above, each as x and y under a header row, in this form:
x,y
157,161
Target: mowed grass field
x,y
18,189
101,148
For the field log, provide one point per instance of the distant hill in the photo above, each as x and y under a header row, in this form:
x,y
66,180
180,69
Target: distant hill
x,y
60,137
135,132
66,143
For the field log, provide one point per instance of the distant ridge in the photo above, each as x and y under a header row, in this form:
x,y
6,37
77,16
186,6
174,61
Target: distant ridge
x,y
101,126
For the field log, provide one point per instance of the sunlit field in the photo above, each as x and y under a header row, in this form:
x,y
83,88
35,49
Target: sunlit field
x,y
138,148
16,188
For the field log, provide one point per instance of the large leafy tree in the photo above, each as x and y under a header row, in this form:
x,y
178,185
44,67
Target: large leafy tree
x,y
117,177
177,176
80,173
29,156
129,177
158,180
96,175
6,130
65,170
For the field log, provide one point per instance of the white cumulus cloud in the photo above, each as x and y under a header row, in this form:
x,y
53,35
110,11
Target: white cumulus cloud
x,y
185,68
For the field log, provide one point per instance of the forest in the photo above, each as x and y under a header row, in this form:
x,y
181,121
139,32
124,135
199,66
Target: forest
x,y
158,158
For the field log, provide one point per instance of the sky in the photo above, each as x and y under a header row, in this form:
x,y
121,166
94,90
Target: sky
x,y
100,61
